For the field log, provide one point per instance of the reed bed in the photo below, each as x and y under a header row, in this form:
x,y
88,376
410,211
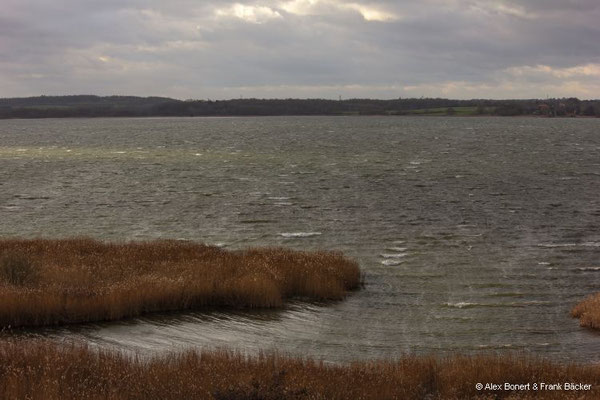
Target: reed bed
x,y
588,311
40,369
51,282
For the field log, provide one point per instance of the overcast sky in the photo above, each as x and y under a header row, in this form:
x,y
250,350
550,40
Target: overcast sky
x,y
301,48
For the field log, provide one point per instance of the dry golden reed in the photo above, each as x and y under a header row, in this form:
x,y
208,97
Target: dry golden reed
x,y
588,311
49,282
38,369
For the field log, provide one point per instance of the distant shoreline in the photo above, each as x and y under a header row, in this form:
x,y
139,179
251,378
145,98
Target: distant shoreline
x,y
86,106
297,115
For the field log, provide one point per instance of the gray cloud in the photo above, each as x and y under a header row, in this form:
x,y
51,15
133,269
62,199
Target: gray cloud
x,y
301,48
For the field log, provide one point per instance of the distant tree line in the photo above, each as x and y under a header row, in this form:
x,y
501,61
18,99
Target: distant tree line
x,y
131,106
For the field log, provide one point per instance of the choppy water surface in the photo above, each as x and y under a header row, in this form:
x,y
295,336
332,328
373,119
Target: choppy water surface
x,y
474,233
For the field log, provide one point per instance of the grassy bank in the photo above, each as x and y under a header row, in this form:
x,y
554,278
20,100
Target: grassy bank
x,y
49,282
588,312
43,370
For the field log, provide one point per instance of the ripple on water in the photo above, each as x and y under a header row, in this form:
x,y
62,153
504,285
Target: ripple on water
x,y
485,185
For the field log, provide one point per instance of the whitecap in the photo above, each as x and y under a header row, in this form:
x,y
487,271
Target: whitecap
x,y
394,255
553,245
529,303
299,234
400,249
584,244
461,304
392,262
591,244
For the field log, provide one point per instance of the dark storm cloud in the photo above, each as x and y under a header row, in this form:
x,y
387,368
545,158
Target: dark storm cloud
x,y
301,48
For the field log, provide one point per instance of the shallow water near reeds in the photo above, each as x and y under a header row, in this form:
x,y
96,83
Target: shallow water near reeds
x,y
475,234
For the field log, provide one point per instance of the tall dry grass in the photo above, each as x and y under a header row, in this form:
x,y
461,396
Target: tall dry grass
x,y
49,282
588,311
44,370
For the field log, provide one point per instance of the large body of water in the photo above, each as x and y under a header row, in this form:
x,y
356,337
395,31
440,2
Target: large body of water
x,y
475,234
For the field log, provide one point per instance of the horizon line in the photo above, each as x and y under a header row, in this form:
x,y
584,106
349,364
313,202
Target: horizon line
x,y
340,98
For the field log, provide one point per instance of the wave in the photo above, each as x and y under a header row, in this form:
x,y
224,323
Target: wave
x,y
584,244
464,304
398,255
299,234
401,249
553,245
391,262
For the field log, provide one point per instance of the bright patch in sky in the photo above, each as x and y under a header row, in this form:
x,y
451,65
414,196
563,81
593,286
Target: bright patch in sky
x,y
372,14
587,70
249,13
323,7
